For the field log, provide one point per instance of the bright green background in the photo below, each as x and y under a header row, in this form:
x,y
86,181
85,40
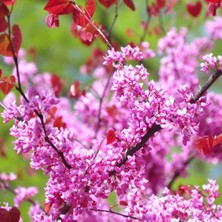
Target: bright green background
x,y
58,52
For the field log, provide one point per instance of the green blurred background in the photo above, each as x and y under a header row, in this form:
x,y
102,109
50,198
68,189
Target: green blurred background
x,y
58,52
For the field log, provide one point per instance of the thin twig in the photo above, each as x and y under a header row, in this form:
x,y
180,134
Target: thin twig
x,y
114,19
146,24
161,23
113,212
94,26
206,86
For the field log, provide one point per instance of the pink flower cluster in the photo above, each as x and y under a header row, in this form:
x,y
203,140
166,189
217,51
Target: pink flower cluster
x,y
148,119
211,63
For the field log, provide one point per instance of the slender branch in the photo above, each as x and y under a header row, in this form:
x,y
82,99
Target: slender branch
x,y
161,23
178,172
114,19
206,86
88,18
131,151
113,212
146,24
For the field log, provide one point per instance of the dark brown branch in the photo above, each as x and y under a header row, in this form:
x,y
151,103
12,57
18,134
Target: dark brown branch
x,y
206,86
20,90
131,151
113,212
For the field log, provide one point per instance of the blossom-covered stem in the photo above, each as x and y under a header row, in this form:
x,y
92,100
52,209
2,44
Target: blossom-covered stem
x,y
50,142
178,172
38,113
206,86
96,28
130,152
113,212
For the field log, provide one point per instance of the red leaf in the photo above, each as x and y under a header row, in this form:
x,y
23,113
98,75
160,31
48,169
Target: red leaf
x,y
84,17
13,215
154,8
107,3
56,84
217,140
59,7
130,4
8,2
74,91
3,24
202,145
206,143
47,207
59,123
16,38
7,83
52,20
110,136
90,7
5,46
194,9
123,203
213,1
3,11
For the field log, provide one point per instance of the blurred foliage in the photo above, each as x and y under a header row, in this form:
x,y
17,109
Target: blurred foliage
x,y
57,51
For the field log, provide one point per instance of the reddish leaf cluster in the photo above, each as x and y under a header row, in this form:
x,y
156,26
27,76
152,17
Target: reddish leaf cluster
x,y
155,8
56,121
56,83
205,144
75,91
6,83
82,25
213,6
9,45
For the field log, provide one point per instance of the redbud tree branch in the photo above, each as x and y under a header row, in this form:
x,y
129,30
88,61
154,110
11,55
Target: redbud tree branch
x,y
156,128
37,112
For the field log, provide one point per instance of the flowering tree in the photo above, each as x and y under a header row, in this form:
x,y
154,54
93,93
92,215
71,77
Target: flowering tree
x,y
120,134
